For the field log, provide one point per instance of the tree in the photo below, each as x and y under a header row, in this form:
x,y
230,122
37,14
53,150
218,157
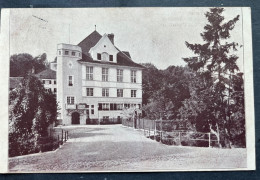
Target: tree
x,y
151,81
31,110
21,64
215,64
165,90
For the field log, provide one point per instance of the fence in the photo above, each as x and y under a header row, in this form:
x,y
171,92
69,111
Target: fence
x,y
56,137
172,132
104,121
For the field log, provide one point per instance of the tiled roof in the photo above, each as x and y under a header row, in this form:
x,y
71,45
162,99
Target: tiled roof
x,y
122,60
47,74
127,53
90,41
15,82
123,57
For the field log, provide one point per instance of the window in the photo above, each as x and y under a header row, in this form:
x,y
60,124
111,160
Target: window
x,y
54,81
59,52
90,91
98,56
105,106
105,92
126,105
49,81
89,74
92,109
43,81
54,90
110,57
119,106
70,83
105,118
133,76
70,100
104,74
104,56
73,53
66,52
133,93
119,92
119,75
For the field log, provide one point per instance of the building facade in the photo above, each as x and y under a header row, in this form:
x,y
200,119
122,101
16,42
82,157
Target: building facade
x,y
95,80
48,78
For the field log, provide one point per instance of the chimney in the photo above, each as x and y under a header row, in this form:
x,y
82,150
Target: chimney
x,y
111,37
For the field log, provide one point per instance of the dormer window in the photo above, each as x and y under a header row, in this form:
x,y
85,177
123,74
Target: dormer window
x,y
110,57
104,56
98,56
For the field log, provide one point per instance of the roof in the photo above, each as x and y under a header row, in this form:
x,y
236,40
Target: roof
x,y
127,53
122,60
55,60
47,74
90,41
123,57
15,82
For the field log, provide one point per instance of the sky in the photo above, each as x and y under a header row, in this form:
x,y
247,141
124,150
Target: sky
x,y
151,35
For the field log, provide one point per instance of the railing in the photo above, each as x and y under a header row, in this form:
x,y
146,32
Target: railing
x,y
156,131
70,106
55,139
104,121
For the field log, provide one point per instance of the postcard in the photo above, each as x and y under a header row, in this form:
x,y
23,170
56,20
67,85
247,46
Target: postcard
x,y
126,90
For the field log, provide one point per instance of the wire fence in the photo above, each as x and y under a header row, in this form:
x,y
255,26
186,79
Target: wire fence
x,y
172,132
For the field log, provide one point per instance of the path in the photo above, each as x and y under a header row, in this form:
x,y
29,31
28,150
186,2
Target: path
x,y
119,148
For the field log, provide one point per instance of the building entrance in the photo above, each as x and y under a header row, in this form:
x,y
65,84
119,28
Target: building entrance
x,y
75,118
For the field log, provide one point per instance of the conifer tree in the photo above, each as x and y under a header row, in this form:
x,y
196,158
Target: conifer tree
x,y
215,63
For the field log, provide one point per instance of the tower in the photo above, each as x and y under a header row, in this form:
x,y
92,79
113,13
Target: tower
x,y
68,82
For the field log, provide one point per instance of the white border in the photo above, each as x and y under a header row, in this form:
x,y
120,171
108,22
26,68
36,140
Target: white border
x,y
249,94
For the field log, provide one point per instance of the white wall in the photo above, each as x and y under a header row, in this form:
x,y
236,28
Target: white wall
x,y
104,45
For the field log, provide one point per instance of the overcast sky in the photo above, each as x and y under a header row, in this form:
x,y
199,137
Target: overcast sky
x,y
155,35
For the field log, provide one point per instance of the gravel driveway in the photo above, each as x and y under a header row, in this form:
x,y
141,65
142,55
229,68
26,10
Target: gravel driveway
x,y
119,148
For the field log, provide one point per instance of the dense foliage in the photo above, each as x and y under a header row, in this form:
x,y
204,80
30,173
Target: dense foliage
x,y
31,110
208,94
21,64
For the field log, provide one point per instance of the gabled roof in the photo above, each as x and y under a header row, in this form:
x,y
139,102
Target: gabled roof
x,y
127,53
122,60
15,82
47,74
123,57
90,41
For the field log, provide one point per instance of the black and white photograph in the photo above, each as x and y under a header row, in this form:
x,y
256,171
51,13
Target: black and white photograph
x,y
129,89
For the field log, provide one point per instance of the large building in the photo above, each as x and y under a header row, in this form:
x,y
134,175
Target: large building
x,y
95,80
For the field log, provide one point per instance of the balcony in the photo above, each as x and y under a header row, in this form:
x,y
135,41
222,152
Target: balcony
x,y
70,106
76,106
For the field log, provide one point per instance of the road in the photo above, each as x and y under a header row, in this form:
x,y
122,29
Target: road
x,y
119,148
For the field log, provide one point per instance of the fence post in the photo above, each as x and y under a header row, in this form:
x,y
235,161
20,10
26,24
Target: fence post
x,y
155,129
67,134
209,139
180,138
59,140
62,136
